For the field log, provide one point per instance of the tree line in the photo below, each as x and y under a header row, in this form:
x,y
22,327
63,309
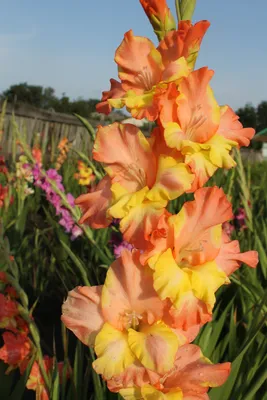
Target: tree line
x,y
45,98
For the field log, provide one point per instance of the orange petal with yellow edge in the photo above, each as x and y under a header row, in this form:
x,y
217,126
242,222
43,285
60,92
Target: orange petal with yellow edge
x,y
173,179
198,112
115,92
193,373
94,205
140,222
113,352
231,128
139,62
130,160
185,42
81,313
134,375
154,345
197,227
230,258
128,296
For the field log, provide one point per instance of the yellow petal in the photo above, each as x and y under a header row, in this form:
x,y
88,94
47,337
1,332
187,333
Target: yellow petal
x,y
113,352
205,280
173,179
155,346
170,281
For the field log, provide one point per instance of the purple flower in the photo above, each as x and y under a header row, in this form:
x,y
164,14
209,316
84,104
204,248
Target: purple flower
x,y
119,244
37,175
76,231
55,200
66,220
54,176
123,245
240,218
71,200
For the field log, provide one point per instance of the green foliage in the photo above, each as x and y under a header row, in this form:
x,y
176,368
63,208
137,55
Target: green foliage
x,y
49,264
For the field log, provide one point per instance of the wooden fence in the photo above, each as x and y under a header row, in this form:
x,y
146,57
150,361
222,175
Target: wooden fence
x,y
50,125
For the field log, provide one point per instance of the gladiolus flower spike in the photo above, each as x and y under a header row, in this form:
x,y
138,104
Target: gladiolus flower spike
x,y
161,288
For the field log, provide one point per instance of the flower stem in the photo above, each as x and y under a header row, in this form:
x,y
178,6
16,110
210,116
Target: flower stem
x,y
178,11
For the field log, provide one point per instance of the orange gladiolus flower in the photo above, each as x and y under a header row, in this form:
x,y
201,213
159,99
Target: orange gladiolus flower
x,y
37,155
146,71
160,16
15,350
125,320
191,258
142,181
36,380
190,378
195,125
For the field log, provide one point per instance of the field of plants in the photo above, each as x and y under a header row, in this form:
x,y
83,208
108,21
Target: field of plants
x,y
45,253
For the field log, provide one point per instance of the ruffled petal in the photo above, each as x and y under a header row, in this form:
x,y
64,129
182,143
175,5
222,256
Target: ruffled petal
x,y
115,92
190,316
205,281
139,62
193,373
170,281
232,129
154,345
113,352
94,205
197,227
81,313
230,258
185,42
140,222
128,296
173,179
134,375
198,112
201,166
130,161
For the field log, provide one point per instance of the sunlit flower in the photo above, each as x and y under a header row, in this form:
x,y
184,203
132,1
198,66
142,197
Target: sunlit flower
x,y
85,175
190,379
37,154
195,125
125,320
146,71
142,181
191,258
63,148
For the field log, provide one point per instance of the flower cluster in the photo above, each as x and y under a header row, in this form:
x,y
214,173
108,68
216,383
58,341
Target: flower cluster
x,y
43,180
85,175
6,197
24,176
63,148
159,293
18,348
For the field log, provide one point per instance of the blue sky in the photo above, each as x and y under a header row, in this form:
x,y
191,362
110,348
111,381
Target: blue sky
x,y
70,45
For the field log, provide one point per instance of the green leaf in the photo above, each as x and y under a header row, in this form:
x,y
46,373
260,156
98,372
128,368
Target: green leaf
x,y
187,8
87,125
77,262
21,385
